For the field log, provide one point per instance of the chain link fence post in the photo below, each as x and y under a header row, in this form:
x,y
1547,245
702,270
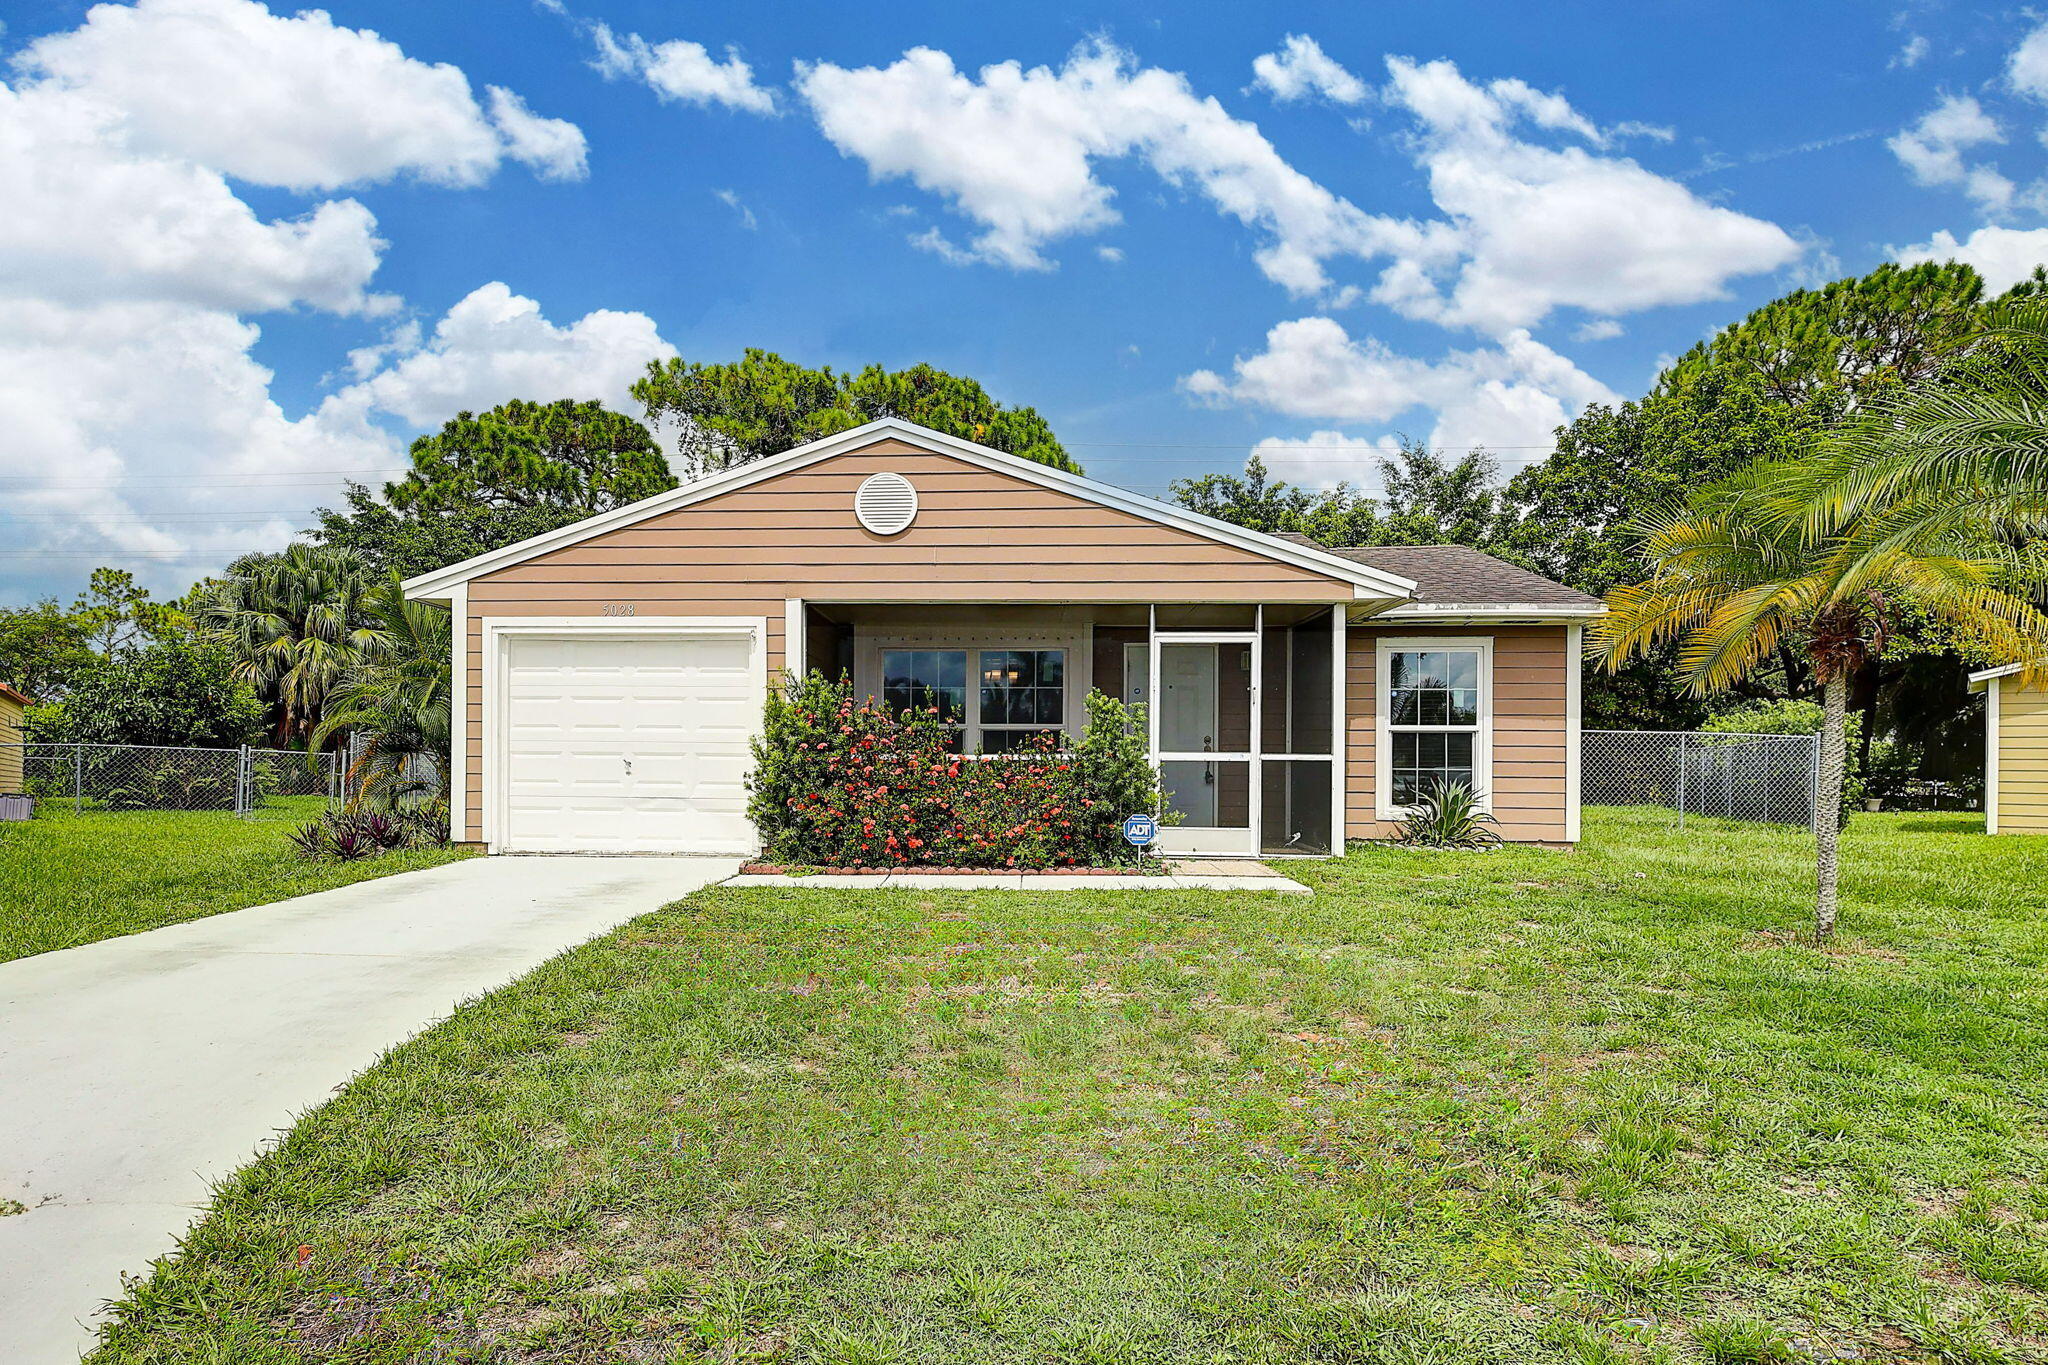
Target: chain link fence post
x,y
1681,779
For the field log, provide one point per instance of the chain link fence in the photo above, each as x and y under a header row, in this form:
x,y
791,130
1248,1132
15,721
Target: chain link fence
x,y
118,777
1771,778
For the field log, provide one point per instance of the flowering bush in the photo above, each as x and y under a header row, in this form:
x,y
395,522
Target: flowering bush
x,y
844,783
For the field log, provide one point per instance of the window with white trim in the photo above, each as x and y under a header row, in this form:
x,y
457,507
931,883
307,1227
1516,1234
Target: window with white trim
x,y
1018,693
1435,719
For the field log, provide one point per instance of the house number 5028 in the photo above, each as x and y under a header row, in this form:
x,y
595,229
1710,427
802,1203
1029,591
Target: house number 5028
x,y
618,609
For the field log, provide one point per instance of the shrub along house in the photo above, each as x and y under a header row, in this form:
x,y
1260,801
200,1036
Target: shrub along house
x,y
610,674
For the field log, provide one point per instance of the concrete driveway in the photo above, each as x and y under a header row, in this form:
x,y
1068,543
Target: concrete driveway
x,y
136,1071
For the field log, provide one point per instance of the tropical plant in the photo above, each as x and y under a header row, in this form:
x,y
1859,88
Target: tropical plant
x,y
395,700
1448,815
1743,568
296,624
345,835
1965,454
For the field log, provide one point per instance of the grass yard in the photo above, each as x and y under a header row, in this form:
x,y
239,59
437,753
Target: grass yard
x,y
1590,1107
68,879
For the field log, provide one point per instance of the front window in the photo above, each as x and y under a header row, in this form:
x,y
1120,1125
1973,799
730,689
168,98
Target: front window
x,y
1433,720
1020,693
1023,693
914,679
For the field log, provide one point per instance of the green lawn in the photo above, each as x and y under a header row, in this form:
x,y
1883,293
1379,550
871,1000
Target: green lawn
x,y
1595,1107
68,879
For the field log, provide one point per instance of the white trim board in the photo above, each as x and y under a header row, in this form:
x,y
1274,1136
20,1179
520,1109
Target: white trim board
x,y
1991,695
497,631
1574,708
458,714
1367,582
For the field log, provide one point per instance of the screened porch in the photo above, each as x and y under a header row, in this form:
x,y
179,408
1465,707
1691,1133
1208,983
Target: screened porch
x,y
1246,732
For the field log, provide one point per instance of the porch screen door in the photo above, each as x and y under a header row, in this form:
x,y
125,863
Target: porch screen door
x,y
1203,728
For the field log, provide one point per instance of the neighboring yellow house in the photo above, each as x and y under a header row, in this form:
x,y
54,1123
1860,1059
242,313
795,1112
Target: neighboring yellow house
x,y
2015,752
12,704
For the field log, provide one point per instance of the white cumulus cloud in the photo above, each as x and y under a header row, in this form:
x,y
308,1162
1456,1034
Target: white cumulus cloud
x,y
2003,256
495,345
1507,397
1302,70
1324,459
683,71
1932,151
141,428
1014,150
1530,227
298,102
1524,226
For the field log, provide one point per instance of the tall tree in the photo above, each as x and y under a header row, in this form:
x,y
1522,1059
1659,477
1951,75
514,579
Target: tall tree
x,y
296,623
1846,342
1433,500
177,690
414,540
1744,567
567,457
118,613
728,414
1430,500
1260,502
44,649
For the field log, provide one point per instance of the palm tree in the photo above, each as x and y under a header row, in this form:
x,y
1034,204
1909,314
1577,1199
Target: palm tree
x,y
396,700
296,623
1741,568
1964,453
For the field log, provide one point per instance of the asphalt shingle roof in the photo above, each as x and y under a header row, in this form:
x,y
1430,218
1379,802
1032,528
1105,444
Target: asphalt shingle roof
x,y
1463,576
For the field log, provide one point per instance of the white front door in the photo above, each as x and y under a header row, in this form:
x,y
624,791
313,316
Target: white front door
x,y
1202,731
625,744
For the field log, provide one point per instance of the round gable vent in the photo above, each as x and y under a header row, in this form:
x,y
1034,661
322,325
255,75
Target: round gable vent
x,y
885,504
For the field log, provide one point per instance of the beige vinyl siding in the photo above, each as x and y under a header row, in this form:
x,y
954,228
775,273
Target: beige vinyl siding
x,y
12,770
980,536
2022,758
1529,665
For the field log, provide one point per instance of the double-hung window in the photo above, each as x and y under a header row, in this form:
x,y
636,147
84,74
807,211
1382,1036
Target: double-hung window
x,y
1018,693
1435,719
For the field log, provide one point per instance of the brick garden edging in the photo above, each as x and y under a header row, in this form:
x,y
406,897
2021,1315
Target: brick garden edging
x,y
759,869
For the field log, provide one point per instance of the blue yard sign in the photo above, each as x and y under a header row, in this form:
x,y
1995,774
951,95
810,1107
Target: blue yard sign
x,y
1140,829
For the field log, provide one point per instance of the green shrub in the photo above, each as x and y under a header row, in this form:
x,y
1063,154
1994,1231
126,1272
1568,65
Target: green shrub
x,y
840,782
181,690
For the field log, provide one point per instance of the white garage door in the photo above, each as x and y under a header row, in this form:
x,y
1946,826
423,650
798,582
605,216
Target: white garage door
x,y
616,744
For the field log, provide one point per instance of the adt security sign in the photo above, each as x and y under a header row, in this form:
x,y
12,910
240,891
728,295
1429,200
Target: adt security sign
x,y
1140,830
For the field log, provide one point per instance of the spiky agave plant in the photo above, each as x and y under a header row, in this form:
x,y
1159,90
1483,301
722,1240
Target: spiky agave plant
x,y
1449,815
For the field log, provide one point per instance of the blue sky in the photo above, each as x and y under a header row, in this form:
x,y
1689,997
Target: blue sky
x,y
264,248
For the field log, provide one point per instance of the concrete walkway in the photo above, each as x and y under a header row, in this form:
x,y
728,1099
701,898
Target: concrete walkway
x,y
136,1071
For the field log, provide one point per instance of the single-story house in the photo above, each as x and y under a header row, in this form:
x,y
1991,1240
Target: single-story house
x,y
12,705
610,674
2015,751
